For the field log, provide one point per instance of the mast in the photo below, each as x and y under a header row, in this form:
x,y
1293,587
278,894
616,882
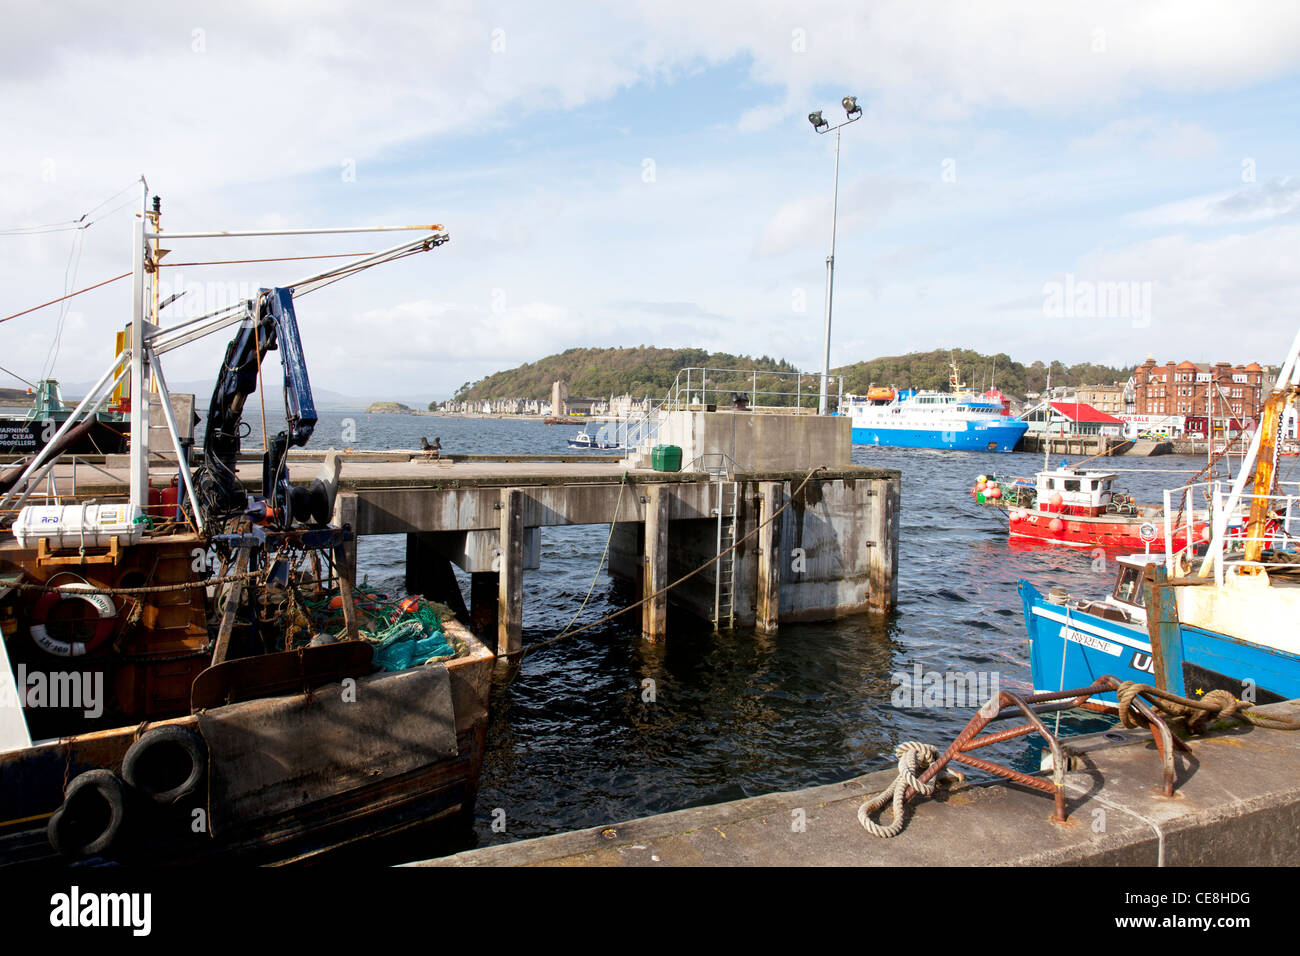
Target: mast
x,y
1047,424
139,468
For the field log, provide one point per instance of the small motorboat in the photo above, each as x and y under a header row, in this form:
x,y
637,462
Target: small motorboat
x,y
599,441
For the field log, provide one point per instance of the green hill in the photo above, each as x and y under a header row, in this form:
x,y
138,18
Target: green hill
x,y
594,373
930,370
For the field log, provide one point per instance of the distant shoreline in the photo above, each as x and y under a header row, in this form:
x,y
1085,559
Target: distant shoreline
x,y
500,415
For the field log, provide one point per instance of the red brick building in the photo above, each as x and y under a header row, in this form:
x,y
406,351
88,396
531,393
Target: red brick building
x,y
1188,388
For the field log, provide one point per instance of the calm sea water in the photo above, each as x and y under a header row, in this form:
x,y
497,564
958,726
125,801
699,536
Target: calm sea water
x,y
573,744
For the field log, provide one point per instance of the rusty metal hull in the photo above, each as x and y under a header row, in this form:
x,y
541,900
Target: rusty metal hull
x,y
363,805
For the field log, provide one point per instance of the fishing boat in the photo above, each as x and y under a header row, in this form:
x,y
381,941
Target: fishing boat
x,y
105,434
1082,508
207,684
956,419
1216,615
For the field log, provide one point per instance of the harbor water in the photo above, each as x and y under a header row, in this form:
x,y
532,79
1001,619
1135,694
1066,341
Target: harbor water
x,y
603,727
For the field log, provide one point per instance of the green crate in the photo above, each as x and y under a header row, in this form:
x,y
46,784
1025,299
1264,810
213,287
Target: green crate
x,y
666,458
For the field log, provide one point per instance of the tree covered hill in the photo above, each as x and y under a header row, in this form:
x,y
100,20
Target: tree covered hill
x,y
594,373
931,369
644,370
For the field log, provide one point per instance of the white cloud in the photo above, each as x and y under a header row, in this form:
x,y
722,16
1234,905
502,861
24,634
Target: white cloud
x,y
1261,202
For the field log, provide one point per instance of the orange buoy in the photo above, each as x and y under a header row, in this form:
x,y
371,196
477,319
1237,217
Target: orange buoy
x,y
1057,524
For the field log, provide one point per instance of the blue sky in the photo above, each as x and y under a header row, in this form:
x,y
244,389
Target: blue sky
x,y
645,174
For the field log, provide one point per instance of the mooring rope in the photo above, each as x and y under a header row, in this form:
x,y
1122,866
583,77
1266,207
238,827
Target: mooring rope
x,y
914,758
1217,703
685,577
604,554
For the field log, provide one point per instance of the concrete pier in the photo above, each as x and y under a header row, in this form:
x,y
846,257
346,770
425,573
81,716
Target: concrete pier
x,y
1236,803
831,553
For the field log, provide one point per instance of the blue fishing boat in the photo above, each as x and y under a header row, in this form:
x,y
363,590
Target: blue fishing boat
x,y
1222,615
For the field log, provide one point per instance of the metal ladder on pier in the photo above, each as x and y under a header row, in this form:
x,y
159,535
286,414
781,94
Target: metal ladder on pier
x,y
724,569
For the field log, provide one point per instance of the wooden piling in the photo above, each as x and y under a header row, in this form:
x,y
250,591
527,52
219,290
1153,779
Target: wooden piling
x,y
767,616
654,612
510,591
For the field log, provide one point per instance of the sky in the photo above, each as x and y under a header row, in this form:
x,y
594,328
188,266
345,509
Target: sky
x,y
1080,182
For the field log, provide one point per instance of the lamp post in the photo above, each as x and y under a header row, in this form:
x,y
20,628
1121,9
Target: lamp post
x,y
854,113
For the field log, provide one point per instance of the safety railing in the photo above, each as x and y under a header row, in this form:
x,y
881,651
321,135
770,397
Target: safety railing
x,y
1281,529
702,387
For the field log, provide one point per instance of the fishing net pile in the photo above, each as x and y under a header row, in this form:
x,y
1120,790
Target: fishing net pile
x,y
405,632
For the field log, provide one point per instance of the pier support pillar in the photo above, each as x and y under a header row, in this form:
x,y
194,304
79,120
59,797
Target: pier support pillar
x,y
654,612
882,560
429,573
483,588
510,590
768,600
345,560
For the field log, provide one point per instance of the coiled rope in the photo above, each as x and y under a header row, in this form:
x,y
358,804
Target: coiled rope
x,y
914,758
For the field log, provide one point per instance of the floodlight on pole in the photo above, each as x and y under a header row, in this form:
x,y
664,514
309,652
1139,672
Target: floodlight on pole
x,y
854,113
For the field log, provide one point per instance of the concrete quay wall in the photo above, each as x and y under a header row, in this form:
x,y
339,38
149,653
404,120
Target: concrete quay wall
x,y
1236,803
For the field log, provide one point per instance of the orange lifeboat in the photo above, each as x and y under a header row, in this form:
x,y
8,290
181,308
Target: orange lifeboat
x,y
880,393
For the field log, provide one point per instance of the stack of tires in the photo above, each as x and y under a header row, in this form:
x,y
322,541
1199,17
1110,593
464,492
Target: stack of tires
x,y
108,815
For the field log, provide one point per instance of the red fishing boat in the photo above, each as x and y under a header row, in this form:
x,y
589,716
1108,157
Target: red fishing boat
x,y
1081,508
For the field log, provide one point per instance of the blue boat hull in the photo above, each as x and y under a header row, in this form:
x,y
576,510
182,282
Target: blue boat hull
x,y
999,437
1070,648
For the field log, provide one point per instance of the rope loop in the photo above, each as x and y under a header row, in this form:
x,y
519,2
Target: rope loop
x,y
914,758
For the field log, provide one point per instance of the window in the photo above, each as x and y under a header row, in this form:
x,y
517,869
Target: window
x,y
1072,484
1128,588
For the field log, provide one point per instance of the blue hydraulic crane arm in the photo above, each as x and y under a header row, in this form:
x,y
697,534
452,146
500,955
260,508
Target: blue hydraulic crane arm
x,y
274,325
299,406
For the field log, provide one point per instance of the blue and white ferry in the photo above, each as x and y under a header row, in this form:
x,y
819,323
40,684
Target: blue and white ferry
x,y
1230,619
907,418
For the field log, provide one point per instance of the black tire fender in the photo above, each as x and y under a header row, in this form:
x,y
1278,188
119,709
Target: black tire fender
x,y
92,815
167,765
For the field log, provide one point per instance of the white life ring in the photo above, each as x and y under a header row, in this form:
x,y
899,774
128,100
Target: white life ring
x,y
103,605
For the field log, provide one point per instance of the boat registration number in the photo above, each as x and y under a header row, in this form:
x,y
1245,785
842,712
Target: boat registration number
x,y
1089,640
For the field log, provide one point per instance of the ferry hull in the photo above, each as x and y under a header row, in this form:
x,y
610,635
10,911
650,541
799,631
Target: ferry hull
x,y
1072,648
973,438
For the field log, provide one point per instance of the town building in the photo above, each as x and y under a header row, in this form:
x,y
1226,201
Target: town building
x,y
1073,420
1104,398
1225,393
